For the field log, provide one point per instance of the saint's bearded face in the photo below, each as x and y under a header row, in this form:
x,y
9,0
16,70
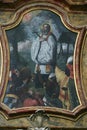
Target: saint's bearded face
x,y
45,29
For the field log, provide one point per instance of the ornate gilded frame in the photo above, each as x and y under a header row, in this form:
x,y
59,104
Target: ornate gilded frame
x,y
79,45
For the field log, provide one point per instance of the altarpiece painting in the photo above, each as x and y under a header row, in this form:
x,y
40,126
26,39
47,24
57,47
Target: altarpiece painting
x,y
41,52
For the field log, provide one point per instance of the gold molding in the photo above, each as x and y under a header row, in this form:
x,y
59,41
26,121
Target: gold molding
x,y
69,5
73,115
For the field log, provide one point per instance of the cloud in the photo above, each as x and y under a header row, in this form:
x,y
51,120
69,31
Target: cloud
x,y
24,46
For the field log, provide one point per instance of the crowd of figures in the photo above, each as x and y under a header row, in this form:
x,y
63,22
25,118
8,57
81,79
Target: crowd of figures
x,y
57,91
21,91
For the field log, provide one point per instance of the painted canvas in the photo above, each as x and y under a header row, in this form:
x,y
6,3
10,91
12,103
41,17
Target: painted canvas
x,y
41,63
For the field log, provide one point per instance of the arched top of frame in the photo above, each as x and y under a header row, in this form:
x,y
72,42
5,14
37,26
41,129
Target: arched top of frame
x,y
23,14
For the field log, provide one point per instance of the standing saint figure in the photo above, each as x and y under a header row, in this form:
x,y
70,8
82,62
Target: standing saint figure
x,y
43,53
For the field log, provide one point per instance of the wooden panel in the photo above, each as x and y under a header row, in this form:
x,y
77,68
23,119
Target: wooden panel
x,y
8,1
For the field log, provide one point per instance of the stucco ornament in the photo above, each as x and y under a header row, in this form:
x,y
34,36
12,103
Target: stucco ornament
x,y
38,120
